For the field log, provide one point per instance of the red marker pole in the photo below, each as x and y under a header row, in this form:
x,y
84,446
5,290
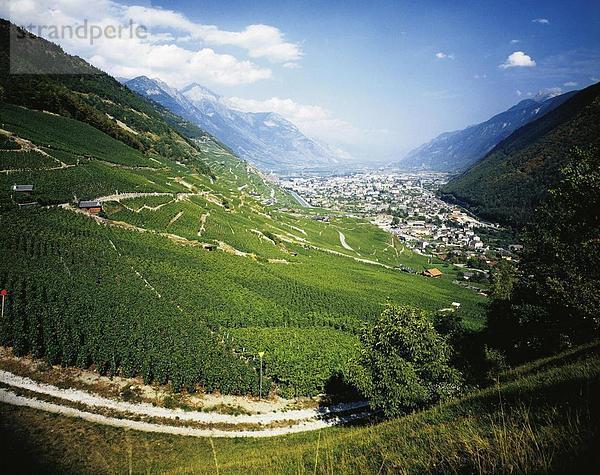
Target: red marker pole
x,y
3,292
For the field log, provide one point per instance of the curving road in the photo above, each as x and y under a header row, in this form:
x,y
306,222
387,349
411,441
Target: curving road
x,y
299,420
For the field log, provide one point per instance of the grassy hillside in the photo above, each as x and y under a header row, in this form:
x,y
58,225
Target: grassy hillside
x,y
539,418
195,249
39,75
278,280
510,181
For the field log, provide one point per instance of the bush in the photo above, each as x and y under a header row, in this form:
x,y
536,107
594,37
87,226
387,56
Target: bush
x,y
404,363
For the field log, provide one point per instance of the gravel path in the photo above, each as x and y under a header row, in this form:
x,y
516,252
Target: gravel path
x,y
8,397
343,241
306,419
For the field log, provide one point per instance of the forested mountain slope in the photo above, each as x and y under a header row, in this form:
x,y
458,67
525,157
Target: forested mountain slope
x,y
41,76
457,150
509,182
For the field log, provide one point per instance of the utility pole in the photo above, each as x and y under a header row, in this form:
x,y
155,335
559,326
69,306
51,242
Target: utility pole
x,y
261,354
3,292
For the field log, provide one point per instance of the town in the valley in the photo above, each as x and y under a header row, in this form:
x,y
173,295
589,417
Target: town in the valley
x,y
408,205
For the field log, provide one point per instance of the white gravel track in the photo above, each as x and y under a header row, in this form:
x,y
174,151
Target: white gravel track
x,y
300,420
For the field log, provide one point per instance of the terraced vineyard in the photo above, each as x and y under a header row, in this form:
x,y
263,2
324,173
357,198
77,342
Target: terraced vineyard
x,y
213,267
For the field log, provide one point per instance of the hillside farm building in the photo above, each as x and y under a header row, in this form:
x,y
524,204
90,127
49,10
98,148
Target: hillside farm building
x,y
434,272
25,189
92,207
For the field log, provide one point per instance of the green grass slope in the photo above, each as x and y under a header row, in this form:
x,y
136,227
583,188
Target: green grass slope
x,y
279,281
207,252
38,74
539,418
510,181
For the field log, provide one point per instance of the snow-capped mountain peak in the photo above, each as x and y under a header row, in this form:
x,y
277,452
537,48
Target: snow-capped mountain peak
x,y
197,92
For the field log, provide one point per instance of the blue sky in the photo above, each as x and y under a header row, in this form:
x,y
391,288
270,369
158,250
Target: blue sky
x,y
374,78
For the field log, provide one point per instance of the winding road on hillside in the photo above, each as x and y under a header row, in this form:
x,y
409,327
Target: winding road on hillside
x,y
343,241
127,414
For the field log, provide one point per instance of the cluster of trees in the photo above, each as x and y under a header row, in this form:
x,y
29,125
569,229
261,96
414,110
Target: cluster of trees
x,y
549,303
404,363
553,301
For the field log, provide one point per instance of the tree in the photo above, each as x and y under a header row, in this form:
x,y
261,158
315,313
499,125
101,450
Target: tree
x,y
403,363
555,300
503,280
562,249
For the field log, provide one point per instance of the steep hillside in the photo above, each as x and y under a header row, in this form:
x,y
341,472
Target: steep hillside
x,y
185,275
539,418
181,253
456,151
264,139
508,183
39,75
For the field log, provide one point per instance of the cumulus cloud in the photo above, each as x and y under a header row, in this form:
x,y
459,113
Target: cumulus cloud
x,y
260,41
442,55
286,107
314,121
518,59
548,93
570,84
519,93
514,42
543,21
174,48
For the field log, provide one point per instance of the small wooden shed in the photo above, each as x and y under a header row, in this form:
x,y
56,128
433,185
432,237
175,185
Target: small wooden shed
x,y
25,189
92,207
433,272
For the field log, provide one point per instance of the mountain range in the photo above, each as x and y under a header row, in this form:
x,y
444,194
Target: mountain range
x,y
265,139
508,183
457,150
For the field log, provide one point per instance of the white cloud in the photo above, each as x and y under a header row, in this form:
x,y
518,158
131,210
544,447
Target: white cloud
x,y
291,66
314,121
594,79
286,107
260,41
548,92
480,76
174,49
570,84
442,55
543,21
519,93
518,59
514,42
